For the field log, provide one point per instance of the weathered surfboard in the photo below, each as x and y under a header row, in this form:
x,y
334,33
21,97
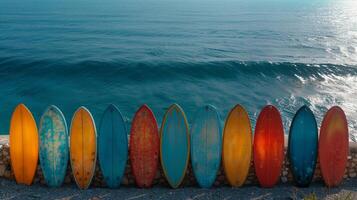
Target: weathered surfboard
x,y
144,147
112,146
174,145
206,145
302,148
268,148
24,145
237,146
53,146
333,146
83,147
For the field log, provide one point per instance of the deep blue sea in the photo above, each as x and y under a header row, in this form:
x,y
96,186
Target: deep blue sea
x,y
193,52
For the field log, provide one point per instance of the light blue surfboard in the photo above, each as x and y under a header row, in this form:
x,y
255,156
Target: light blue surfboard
x,y
302,148
206,145
174,145
53,135
112,146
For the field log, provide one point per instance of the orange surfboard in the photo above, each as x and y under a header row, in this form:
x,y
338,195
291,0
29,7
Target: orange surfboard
x,y
83,147
237,146
23,145
333,146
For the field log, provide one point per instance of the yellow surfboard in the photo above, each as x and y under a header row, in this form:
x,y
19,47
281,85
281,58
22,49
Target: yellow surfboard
x,y
23,145
237,146
83,147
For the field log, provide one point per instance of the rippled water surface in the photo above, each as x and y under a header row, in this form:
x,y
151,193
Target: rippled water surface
x,y
193,52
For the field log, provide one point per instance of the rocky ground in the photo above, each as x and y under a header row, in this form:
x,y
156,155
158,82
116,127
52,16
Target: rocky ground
x,y
10,190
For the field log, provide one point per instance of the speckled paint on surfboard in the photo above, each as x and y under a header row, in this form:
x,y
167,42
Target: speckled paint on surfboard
x,y
112,146
83,147
333,146
268,147
302,148
206,145
144,147
53,146
174,145
237,146
24,145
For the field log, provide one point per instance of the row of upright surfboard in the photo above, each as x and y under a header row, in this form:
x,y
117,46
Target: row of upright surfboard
x,y
175,145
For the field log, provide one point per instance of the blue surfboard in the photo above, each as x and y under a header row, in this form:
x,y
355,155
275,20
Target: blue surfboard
x,y
112,146
302,149
53,146
206,145
174,145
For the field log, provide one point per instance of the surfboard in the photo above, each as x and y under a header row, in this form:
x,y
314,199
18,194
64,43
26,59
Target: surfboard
x,y
268,147
24,145
302,146
53,146
83,147
206,145
174,145
237,146
112,146
333,146
144,147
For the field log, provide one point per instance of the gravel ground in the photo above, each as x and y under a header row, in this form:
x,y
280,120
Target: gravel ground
x,y
10,190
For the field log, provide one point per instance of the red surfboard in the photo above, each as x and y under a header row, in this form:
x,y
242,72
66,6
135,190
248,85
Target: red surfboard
x,y
268,148
333,146
144,147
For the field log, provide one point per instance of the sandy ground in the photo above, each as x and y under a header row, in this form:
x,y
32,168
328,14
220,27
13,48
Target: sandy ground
x,y
10,190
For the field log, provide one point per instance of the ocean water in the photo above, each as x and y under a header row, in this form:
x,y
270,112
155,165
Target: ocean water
x,y
193,52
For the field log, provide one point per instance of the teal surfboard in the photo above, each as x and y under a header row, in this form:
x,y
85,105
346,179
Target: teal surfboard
x,y
302,148
206,145
174,145
53,146
112,146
